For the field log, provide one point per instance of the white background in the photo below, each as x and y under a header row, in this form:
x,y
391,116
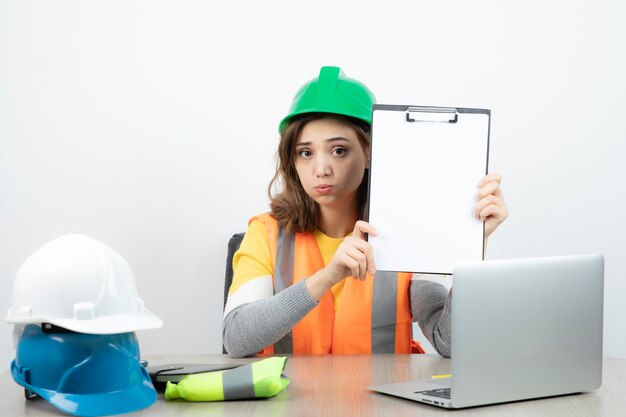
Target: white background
x,y
152,127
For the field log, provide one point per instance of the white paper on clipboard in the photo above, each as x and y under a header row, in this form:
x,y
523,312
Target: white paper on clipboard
x,y
425,166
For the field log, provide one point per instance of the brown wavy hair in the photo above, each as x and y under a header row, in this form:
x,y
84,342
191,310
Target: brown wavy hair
x,y
292,207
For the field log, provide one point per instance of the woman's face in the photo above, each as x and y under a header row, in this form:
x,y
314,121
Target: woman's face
x,y
330,162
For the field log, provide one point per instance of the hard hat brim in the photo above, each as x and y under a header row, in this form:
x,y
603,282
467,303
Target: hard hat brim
x,y
109,324
128,400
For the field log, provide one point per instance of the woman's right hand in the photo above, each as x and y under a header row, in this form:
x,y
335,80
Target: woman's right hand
x,y
354,257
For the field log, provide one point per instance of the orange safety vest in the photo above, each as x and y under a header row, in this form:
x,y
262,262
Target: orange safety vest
x,y
373,317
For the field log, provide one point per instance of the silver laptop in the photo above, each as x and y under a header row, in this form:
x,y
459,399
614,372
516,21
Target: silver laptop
x,y
521,329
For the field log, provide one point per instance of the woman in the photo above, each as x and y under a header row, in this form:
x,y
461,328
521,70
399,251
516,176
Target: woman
x,y
290,293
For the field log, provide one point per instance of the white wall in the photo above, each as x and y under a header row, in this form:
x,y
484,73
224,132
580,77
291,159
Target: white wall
x,y
152,126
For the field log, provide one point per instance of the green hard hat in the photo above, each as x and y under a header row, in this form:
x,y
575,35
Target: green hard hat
x,y
332,92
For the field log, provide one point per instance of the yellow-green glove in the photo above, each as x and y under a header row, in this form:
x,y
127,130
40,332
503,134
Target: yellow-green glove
x,y
262,379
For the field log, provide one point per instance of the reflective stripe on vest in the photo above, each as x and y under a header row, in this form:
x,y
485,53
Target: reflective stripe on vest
x,y
384,312
386,328
283,278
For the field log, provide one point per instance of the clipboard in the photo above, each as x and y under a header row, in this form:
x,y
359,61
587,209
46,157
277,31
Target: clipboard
x,y
425,166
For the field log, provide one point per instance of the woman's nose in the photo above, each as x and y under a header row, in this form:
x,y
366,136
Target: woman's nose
x,y
322,167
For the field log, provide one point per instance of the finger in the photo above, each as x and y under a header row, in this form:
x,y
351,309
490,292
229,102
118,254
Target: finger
x,y
493,221
351,265
367,249
361,227
489,178
484,202
360,259
495,211
492,187
348,260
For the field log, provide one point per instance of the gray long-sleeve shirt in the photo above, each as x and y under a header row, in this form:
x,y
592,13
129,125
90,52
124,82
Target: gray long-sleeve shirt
x,y
249,328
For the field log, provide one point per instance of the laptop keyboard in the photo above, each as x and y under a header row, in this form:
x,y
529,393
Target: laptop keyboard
x,y
440,393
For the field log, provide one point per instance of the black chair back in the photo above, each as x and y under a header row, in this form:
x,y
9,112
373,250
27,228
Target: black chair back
x,y
233,246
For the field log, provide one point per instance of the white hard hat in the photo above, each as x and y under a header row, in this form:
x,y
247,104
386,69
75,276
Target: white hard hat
x,y
80,284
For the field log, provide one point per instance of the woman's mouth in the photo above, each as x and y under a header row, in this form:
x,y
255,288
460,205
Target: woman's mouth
x,y
324,188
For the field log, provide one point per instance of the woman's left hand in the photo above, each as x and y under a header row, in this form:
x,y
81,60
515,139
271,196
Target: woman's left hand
x,y
491,207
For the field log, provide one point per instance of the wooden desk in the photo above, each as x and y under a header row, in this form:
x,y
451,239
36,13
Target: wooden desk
x,y
335,386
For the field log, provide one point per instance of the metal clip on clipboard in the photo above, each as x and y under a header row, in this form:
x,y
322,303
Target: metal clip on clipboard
x,y
432,114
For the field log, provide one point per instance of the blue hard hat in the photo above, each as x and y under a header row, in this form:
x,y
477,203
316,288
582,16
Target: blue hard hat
x,y
83,374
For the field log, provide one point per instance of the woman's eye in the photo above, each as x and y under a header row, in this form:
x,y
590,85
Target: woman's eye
x,y
304,153
340,151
